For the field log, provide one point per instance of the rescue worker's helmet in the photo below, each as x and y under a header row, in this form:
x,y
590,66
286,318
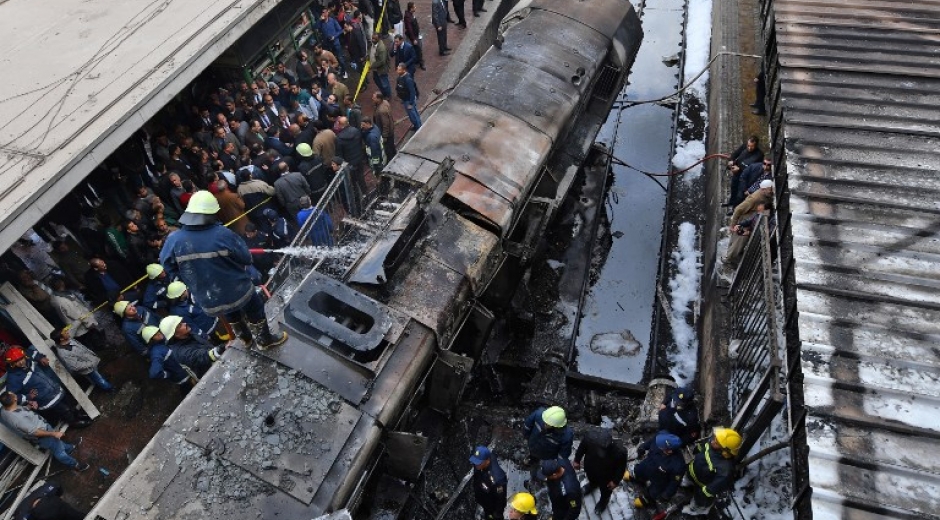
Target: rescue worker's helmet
x,y
168,325
154,270
149,332
202,205
684,394
175,289
728,439
304,150
120,307
554,416
667,441
524,503
13,354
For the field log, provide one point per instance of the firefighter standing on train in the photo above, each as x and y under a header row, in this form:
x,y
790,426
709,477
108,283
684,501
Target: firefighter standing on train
x,y
213,262
712,470
489,483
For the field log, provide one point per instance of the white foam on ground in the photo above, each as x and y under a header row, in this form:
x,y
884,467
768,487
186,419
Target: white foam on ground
x,y
684,289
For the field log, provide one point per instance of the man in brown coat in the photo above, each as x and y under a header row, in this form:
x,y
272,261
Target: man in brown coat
x,y
764,195
324,145
382,116
231,206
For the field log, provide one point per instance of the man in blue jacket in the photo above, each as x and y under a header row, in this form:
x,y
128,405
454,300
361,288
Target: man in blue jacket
x,y
133,320
181,304
678,415
163,364
213,261
548,433
37,390
564,490
190,350
405,54
489,483
407,92
332,31
658,476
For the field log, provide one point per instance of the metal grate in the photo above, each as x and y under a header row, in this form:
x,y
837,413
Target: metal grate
x,y
608,82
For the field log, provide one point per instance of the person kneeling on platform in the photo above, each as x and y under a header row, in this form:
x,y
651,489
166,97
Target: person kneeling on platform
x,y
658,476
712,470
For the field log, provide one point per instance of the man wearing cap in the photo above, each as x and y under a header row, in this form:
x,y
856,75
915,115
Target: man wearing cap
x,y
564,490
78,358
712,469
38,390
213,263
279,229
489,483
181,304
548,433
32,427
765,194
133,319
604,463
163,364
658,476
678,415
155,293
190,350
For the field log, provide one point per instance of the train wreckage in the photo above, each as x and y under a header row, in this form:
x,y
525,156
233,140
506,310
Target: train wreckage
x,y
380,350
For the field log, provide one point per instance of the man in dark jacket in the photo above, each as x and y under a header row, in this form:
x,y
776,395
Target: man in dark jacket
x,y
212,261
405,54
289,187
190,350
349,146
413,33
712,470
678,415
163,364
407,92
104,282
604,464
745,155
564,490
372,137
133,319
659,474
45,503
489,483
439,21
181,304
548,433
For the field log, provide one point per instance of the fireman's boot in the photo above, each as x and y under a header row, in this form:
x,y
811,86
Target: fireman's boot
x,y
264,340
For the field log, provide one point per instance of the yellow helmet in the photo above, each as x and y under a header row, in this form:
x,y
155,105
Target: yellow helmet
x,y
524,503
149,332
175,289
154,270
168,326
203,203
554,416
120,307
728,439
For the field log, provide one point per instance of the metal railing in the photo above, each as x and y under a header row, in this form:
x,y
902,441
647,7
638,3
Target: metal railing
x,y
756,331
342,204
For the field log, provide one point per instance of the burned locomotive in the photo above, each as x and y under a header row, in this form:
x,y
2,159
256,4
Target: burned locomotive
x,y
381,349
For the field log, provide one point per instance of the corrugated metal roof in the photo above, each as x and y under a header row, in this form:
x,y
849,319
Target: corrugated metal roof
x,y
80,77
859,90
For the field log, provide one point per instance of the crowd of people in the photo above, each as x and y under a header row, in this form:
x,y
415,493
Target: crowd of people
x,y
170,217
751,196
657,473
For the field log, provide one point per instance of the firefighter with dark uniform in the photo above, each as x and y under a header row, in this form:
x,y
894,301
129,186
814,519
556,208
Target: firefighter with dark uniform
x,y
213,262
712,470
677,415
564,490
658,476
489,483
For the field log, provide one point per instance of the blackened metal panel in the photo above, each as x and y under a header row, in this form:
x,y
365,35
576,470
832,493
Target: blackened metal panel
x,y
470,250
434,295
601,16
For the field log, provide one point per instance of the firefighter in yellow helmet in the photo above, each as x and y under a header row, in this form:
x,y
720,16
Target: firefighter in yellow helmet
x,y
522,507
712,470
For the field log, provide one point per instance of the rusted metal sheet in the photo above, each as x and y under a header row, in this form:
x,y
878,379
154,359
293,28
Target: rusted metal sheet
x,y
434,295
410,167
471,249
500,152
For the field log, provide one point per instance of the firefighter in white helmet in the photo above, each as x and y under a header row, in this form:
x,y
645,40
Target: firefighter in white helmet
x,y
212,261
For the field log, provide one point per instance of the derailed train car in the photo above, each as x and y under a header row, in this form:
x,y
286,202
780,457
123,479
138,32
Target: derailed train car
x,y
379,353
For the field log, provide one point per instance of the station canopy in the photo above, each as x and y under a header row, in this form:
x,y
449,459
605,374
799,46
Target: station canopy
x,y
80,77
